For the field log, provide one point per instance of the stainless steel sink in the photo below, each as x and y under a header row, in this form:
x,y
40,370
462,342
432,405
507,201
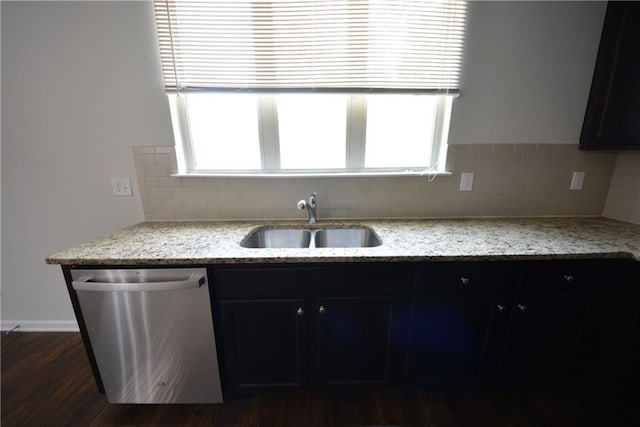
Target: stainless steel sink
x,y
353,237
277,238
328,237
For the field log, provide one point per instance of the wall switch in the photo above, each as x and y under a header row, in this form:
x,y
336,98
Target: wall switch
x,y
576,181
121,186
466,181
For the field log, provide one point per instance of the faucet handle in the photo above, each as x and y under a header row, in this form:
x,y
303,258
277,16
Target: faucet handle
x,y
302,204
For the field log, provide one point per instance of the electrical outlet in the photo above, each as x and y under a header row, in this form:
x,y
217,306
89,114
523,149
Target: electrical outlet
x,y
576,181
121,186
466,181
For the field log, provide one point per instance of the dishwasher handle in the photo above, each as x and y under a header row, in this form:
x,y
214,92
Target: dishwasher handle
x,y
87,283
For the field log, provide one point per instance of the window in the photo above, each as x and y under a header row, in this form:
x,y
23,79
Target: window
x,y
325,86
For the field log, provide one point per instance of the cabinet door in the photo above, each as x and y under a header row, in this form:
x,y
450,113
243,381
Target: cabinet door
x,y
626,365
451,338
611,120
359,341
544,338
264,344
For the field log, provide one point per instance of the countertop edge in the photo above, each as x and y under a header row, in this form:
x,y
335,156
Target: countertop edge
x,y
341,259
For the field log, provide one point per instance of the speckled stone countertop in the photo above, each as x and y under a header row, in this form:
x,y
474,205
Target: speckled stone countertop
x,y
402,240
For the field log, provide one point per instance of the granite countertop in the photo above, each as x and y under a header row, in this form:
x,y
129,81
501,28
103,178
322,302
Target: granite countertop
x,y
209,242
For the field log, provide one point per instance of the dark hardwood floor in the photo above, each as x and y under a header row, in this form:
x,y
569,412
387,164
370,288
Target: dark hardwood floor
x,y
46,381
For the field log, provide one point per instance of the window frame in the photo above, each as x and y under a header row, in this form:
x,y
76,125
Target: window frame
x,y
270,149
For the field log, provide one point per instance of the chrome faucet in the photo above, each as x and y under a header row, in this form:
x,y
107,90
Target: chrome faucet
x,y
310,206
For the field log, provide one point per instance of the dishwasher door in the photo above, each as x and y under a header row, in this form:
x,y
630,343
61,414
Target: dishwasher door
x,y
152,334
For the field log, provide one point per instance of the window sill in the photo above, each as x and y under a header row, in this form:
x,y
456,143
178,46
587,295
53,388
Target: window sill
x,y
310,174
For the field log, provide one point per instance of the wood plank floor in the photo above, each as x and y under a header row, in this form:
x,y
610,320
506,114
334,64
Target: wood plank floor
x,y
46,381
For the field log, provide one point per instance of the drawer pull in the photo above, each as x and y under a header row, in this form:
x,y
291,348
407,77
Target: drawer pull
x,y
321,310
300,311
465,280
568,278
501,307
522,307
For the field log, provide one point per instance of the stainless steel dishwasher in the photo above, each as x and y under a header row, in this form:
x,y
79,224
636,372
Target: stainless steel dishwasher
x,y
152,334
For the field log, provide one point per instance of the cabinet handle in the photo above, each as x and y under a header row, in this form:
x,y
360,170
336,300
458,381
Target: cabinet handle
x,y
501,307
465,280
300,311
522,307
321,310
568,278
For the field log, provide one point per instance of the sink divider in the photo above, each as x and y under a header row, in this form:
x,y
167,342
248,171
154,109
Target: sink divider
x,y
312,239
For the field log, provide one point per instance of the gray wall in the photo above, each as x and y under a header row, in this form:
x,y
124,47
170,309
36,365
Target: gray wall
x,y
81,86
527,72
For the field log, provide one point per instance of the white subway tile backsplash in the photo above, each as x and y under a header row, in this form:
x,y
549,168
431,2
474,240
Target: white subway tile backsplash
x,y
139,149
159,194
147,159
500,148
509,180
159,204
155,170
164,149
161,159
527,147
161,215
477,148
183,193
151,183
623,200
192,182
359,213
169,182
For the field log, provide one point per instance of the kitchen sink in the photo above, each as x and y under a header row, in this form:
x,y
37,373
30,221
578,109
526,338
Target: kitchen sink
x,y
328,237
355,237
277,238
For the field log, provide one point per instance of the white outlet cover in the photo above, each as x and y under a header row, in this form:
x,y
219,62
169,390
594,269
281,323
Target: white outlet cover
x,y
577,180
466,181
121,186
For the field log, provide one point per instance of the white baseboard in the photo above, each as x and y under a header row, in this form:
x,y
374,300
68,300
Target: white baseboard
x,y
40,325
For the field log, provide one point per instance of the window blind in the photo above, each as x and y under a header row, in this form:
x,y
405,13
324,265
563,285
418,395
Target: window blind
x,y
315,45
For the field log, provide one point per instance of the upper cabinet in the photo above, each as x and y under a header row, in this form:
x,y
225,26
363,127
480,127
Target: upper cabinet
x,y
612,119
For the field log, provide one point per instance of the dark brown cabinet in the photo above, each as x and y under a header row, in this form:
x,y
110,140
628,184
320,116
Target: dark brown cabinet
x,y
450,339
622,333
265,344
630,352
544,338
423,324
358,341
611,119
289,326
458,315
550,319
623,353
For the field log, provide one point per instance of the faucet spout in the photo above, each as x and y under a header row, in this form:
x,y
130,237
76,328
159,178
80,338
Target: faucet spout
x,y
310,206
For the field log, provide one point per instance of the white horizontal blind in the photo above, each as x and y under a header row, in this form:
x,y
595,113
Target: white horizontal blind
x,y
313,45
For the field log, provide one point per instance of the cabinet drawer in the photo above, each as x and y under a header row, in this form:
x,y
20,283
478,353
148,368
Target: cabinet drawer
x,y
468,278
279,281
564,277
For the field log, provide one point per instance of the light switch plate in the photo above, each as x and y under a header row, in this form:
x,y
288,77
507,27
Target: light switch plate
x,y
466,181
121,186
576,181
